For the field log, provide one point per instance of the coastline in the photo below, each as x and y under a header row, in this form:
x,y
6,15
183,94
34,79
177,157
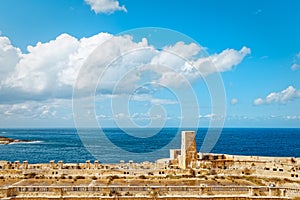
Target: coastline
x,y
5,140
185,174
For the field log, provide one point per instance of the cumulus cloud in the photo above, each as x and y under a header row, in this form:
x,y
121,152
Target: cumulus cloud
x,y
282,97
9,57
222,62
37,69
295,67
187,51
33,82
105,6
100,63
195,65
258,101
166,67
75,60
49,70
234,101
34,109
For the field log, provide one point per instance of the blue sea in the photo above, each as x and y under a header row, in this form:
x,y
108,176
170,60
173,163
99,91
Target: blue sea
x,y
67,145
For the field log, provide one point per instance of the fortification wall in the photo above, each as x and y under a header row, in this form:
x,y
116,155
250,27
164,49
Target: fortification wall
x,y
150,191
146,198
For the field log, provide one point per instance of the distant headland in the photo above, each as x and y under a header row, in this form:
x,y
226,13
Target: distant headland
x,y
5,140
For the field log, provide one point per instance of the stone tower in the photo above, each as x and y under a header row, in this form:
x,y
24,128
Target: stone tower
x,y
188,149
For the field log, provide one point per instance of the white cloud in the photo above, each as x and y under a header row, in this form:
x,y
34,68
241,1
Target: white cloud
x,y
105,6
282,97
222,62
134,116
212,116
85,47
49,70
102,116
296,63
187,51
34,109
195,66
120,115
239,117
146,116
152,100
112,73
285,117
295,67
9,57
37,70
234,101
258,101
292,117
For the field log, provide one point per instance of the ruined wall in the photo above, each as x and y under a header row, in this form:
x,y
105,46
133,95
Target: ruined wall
x,y
132,192
145,198
188,149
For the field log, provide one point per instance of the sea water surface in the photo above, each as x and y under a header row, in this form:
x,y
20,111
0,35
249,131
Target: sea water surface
x,y
66,145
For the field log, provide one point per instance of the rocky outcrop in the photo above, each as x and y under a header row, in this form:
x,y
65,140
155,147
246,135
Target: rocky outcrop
x,y
4,140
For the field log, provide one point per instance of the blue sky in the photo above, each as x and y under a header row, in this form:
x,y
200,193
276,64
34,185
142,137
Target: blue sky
x,y
256,45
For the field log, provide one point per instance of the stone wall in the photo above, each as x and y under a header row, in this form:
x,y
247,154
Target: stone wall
x,y
188,149
149,191
145,198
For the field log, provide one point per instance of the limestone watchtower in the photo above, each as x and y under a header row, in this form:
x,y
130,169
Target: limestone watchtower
x,y
188,149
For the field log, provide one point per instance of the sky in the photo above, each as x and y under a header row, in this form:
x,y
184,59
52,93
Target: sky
x,y
203,63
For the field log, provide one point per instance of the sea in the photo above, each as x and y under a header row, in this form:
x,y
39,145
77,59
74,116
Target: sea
x,y
69,146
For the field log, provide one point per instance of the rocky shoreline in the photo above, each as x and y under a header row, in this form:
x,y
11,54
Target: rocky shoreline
x,y
4,140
